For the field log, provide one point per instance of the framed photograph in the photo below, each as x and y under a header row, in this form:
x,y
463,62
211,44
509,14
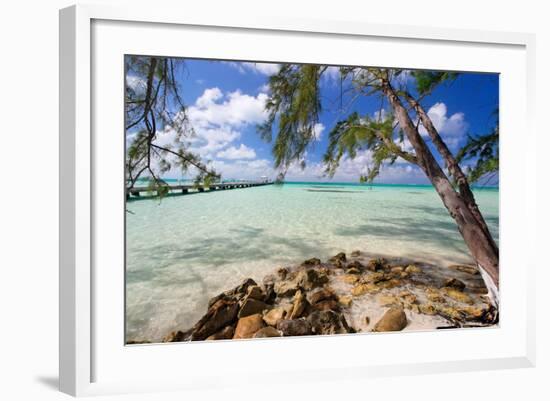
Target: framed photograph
x,y
239,189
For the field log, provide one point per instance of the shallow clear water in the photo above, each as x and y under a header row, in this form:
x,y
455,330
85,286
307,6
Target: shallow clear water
x,y
186,249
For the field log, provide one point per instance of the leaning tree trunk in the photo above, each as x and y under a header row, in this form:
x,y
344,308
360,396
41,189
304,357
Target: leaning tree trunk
x,y
450,162
477,238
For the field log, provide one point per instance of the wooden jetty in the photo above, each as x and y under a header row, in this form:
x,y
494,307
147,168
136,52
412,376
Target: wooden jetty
x,y
137,192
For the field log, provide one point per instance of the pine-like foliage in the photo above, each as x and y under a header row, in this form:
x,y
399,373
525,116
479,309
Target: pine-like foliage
x,y
296,101
154,107
485,149
294,107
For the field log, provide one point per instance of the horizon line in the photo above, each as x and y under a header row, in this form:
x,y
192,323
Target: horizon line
x,y
495,186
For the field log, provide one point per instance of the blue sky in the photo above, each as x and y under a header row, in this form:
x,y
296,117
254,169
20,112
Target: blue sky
x,y
225,103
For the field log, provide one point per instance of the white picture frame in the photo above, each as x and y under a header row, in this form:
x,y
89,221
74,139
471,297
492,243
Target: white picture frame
x,y
83,344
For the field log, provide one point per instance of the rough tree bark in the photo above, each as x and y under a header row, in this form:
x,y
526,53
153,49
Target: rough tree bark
x,y
475,233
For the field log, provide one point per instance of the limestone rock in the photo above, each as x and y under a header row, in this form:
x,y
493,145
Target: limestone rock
x,y
397,269
255,292
408,297
338,260
350,278
298,306
328,322
388,284
473,312
353,270
320,295
434,295
485,299
135,342
248,326
311,262
243,287
324,270
269,280
222,313
465,269
270,294
282,273
375,277
454,283
267,332
345,300
252,306
367,288
360,289
413,269
427,309
274,316
393,320
356,265
478,289
356,253
376,264
389,300
286,288
296,327
224,334
309,279
449,312
175,336
237,293
327,304
458,295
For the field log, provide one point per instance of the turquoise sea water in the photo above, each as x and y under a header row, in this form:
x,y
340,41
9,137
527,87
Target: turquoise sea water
x,y
186,249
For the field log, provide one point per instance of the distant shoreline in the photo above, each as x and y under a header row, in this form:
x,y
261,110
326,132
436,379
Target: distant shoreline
x,y
350,183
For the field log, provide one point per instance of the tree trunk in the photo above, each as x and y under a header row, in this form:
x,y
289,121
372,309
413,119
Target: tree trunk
x,y
450,163
477,239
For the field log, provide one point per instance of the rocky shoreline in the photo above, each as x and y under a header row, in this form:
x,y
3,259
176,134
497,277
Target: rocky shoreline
x,y
346,295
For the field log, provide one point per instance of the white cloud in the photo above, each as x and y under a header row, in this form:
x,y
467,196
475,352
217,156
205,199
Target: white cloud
x,y
453,125
450,128
406,145
233,153
218,119
355,167
265,88
212,139
244,169
213,108
263,68
208,97
137,84
350,170
318,131
257,68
